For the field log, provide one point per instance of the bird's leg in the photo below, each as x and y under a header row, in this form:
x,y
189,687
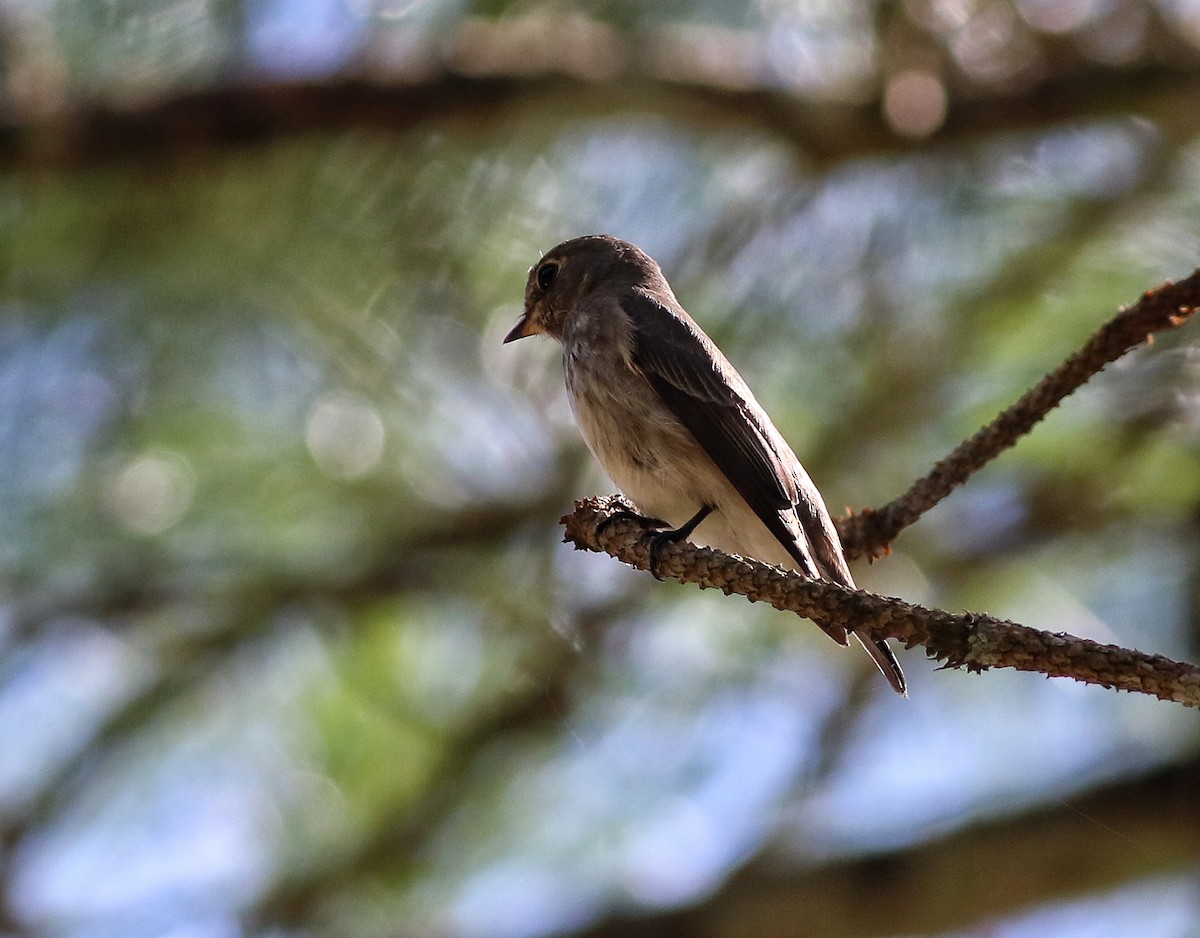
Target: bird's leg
x,y
674,537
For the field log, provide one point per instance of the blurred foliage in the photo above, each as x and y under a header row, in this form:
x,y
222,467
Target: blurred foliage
x,y
288,642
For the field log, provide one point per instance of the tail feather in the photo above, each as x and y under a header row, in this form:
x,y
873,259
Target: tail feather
x,y
885,660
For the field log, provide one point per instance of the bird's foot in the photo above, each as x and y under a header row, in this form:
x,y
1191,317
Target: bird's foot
x,y
681,533
647,524
665,533
628,513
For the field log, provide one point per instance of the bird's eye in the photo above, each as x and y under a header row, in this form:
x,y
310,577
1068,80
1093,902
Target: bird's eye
x,y
546,275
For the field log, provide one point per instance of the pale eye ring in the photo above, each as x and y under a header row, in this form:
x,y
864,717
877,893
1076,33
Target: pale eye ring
x,y
546,275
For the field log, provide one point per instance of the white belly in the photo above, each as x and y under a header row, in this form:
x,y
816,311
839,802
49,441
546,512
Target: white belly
x,y
660,467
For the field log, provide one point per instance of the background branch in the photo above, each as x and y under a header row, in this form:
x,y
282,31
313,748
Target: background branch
x,y
1130,830
407,95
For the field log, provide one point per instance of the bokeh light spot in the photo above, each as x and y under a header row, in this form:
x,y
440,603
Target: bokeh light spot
x,y
151,492
914,103
345,435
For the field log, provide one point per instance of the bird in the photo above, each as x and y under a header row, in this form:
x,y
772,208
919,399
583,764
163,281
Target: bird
x,y
673,423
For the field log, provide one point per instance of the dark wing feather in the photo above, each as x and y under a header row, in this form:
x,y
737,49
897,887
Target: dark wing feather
x,y
701,388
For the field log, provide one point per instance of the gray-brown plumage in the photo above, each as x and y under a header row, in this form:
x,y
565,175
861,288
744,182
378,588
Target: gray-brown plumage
x,y
671,420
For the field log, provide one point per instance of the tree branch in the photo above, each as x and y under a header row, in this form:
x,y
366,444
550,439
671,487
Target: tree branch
x,y
972,641
1165,307
1129,830
426,84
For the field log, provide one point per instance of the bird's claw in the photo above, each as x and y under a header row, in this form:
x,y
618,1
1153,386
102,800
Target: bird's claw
x,y
681,533
647,524
659,542
628,514
662,538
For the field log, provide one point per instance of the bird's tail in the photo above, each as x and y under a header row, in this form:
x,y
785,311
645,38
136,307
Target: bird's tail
x,y
885,661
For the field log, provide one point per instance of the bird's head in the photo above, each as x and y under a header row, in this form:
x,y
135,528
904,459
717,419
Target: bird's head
x,y
565,278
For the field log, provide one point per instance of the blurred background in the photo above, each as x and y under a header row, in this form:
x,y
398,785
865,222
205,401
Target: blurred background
x,y
289,644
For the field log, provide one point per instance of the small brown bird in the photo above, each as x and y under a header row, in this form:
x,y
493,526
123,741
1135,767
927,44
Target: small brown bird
x,y
673,423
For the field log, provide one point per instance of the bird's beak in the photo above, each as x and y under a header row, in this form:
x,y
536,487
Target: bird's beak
x,y
523,328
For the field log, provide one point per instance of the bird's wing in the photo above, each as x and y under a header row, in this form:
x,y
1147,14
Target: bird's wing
x,y
701,388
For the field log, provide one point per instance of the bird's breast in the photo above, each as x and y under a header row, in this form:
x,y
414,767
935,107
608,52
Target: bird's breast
x,y
642,446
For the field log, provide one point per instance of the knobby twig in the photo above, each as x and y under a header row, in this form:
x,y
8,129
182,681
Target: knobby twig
x,y
1164,307
972,641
